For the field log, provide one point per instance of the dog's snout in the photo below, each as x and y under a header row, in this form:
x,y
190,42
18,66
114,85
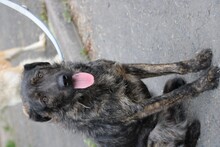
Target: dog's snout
x,y
64,81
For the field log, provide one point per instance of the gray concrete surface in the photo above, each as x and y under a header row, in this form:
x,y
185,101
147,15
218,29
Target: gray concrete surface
x,y
158,31
64,29
151,31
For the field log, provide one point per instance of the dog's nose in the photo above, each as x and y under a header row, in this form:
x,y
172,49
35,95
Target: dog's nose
x,y
64,81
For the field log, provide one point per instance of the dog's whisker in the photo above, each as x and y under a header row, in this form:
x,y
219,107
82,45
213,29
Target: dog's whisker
x,y
84,105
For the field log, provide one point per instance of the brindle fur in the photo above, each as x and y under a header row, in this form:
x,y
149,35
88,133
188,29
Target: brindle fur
x,y
117,110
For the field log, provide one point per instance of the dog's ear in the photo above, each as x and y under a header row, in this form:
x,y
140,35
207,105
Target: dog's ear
x,y
34,115
35,64
37,117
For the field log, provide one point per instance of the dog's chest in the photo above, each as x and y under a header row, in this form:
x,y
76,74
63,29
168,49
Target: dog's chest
x,y
113,96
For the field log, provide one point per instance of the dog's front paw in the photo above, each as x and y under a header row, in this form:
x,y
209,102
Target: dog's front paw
x,y
209,81
204,59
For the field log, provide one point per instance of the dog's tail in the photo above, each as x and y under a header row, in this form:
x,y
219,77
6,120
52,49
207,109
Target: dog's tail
x,y
37,45
10,53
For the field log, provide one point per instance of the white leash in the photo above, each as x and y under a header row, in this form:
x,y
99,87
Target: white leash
x,y
39,23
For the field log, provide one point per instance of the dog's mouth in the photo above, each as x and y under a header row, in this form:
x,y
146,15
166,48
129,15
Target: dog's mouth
x,y
79,80
82,80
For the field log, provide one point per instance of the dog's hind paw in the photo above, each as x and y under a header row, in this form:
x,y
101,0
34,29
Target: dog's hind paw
x,y
192,134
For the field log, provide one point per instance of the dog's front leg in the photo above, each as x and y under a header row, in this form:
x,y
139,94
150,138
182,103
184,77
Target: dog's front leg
x,y
200,62
207,82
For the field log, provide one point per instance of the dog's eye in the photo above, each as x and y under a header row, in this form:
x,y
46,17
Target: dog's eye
x,y
40,74
44,99
38,94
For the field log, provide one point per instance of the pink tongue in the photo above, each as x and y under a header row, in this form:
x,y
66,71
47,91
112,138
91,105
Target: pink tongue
x,y
82,80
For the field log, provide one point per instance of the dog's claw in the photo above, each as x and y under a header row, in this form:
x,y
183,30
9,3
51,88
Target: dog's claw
x,y
213,76
218,71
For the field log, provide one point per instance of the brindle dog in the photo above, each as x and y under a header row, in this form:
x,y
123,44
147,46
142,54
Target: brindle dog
x,y
108,101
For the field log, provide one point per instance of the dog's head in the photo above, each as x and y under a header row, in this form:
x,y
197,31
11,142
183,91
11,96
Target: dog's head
x,y
46,89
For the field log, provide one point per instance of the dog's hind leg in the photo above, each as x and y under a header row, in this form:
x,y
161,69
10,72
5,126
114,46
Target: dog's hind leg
x,y
10,53
176,112
192,134
172,125
156,104
200,62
